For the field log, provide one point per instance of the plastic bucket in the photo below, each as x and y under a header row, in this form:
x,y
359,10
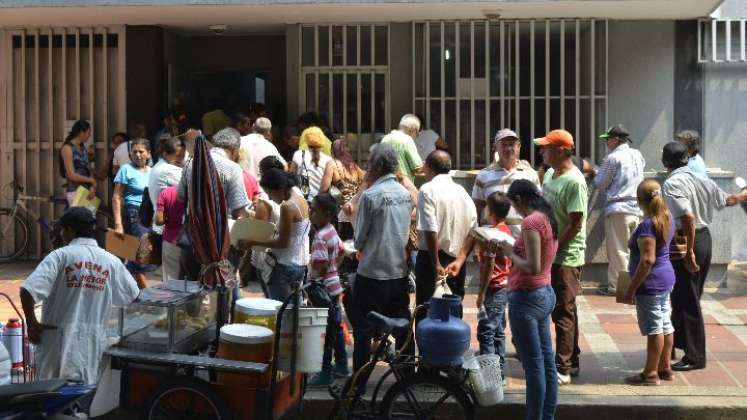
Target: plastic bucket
x,y
485,376
312,324
256,311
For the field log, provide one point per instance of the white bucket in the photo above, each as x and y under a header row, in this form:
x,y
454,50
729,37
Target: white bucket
x,y
485,376
312,324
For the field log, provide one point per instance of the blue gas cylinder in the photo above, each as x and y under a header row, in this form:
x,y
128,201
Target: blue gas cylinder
x,y
442,337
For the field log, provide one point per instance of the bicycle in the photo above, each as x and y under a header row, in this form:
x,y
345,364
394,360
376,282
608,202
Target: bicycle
x,y
431,393
17,239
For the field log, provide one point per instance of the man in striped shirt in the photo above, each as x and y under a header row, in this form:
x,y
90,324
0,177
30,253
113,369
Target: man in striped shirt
x,y
499,175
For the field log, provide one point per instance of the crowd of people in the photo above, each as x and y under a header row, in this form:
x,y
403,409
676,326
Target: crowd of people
x,y
316,194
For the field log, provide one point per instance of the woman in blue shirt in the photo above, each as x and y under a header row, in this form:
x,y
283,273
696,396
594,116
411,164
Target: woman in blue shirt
x,y
129,184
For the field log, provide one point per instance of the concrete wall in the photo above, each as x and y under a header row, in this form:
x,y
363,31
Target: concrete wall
x,y
725,100
400,71
293,69
641,96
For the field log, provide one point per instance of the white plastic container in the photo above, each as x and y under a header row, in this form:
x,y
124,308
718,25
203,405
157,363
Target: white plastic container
x,y
4,366
485,376
312,323
256,311
13,340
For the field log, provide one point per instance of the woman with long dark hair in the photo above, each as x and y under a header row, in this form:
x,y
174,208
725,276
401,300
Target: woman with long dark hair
x,y
73,161
129,185
531,298
290,249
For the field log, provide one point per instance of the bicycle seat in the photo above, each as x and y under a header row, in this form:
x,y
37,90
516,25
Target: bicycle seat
x,y
388,325
30,392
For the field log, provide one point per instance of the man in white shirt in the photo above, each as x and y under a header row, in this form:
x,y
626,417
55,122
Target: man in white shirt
x,y
499,175
77,284
257,146
446,215
618,178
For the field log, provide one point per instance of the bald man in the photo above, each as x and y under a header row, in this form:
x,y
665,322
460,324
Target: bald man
x,y
446,214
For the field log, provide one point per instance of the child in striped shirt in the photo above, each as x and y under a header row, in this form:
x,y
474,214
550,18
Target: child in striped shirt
x,y
326,255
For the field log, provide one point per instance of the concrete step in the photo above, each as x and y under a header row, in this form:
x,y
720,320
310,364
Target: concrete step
x,y
318,404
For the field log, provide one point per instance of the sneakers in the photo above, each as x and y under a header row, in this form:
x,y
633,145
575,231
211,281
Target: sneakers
x,y
340,370
322,379
606,291
564,379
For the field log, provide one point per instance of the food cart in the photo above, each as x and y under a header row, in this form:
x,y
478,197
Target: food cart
x,y
168,369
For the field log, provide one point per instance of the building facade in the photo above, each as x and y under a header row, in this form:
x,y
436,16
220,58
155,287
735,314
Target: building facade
x,y
468,68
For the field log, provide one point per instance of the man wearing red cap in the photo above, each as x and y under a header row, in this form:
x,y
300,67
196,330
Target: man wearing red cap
x,y
565,189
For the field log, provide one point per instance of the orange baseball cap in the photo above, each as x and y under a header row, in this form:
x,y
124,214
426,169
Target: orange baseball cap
x,y
560,138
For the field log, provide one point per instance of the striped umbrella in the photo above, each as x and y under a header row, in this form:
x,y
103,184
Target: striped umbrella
x,y
208,222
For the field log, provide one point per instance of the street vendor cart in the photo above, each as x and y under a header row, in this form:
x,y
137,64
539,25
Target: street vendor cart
x,y
168,369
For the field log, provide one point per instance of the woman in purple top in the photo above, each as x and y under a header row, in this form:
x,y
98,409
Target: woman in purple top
x,y
652,279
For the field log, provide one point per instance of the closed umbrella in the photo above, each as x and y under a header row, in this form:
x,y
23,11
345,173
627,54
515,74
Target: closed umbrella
x,y
208,226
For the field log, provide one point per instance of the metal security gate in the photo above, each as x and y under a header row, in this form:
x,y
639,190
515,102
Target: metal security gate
x,y
49,78
471,78
345,78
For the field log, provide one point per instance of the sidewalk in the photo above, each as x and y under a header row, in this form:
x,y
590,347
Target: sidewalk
x,y
612,348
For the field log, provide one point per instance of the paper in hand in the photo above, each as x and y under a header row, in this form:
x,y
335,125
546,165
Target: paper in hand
x,y
492,234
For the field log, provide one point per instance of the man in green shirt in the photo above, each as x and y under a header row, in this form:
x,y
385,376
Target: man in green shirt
x,y
403,142
565,189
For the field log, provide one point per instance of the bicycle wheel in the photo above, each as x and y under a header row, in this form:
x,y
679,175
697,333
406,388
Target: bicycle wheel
x,y
187,399
427,397
357,408
10,224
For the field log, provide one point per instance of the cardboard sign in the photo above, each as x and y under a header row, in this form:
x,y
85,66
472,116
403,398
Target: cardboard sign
x,y
122,246
623,283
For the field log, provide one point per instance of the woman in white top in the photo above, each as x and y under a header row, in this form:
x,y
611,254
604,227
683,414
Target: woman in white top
x,y
309,165
290,248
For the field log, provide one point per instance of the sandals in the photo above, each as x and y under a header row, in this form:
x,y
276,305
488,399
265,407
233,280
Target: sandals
x,y
641,380
666,375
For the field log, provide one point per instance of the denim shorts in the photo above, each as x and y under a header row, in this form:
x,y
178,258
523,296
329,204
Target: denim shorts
x,y
654,314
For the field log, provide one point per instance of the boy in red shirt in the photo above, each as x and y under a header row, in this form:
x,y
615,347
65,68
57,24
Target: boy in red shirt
x,y
493,297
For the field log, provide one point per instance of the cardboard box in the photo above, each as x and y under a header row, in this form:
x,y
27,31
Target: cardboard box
x,y
623,283
122,246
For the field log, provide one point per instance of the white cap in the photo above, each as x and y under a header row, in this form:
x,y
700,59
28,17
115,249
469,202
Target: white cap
x,y
258,306
505,133
245,334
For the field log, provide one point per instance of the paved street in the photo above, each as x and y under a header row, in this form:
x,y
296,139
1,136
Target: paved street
x,y
611,346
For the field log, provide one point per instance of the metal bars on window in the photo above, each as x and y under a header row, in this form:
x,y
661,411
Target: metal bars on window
x,y
345,79
722,41
52,77
471,78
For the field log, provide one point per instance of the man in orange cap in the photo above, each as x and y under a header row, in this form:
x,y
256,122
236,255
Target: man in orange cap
x,y
565,189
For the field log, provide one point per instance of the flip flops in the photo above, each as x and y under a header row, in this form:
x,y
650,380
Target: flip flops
x,y
641,380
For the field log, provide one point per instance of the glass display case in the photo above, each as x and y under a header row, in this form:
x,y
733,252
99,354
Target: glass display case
x,y
175,316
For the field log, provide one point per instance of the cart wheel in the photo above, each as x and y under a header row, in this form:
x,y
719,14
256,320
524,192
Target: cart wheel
x,y
186,398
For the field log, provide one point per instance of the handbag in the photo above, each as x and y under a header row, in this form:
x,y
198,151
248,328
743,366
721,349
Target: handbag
x,y
317,294
678,247
146,209
149,249
336,194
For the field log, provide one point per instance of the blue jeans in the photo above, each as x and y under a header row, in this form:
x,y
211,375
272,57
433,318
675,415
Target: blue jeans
x,y
529,313
490,331
334,338
281,279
